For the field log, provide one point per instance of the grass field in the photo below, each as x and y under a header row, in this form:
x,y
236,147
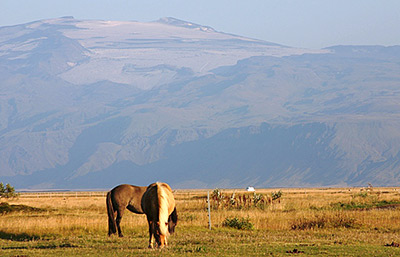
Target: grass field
x,y
300,222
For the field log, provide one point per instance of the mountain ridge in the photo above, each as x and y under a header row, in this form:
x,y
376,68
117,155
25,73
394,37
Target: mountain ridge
x,y
86,104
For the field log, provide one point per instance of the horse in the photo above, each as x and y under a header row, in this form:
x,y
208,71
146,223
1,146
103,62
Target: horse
x,y
158,204
128,197
120,198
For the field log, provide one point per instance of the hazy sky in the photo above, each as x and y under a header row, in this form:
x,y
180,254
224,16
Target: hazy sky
x,y
299,23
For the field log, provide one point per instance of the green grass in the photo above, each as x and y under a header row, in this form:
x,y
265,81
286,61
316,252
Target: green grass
x,y
197,241
353,205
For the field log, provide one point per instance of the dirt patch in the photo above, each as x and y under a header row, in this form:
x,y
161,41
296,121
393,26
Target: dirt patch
x,y
295,251
393,244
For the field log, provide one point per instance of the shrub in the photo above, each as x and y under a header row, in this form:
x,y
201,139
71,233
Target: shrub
x,y
344,222
242,223
276,195
336,220
8,191
232,200
217,194
257,198
238,201
302,224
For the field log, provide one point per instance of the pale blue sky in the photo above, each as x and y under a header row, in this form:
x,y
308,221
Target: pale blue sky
x,y
298,23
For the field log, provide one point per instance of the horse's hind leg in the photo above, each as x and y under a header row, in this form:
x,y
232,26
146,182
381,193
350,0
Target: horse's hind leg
x,y
151,230
120,212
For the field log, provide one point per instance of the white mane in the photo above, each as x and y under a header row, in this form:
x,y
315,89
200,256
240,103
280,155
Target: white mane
x,y
163,203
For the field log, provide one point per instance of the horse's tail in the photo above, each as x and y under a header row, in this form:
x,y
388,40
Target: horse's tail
x,y
112,225
163,206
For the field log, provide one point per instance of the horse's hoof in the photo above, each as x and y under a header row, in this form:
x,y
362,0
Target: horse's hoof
x,y
121,235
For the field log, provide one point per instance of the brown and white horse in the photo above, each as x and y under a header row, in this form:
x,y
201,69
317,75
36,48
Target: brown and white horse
x,y
158,204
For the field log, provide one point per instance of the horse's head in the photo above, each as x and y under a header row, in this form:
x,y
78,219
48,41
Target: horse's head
x,y
160,238
172,221
171,226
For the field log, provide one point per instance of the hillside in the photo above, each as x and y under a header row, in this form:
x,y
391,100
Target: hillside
x,y
89,104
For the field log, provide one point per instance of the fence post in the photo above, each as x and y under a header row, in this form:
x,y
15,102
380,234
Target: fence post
x,y
209,211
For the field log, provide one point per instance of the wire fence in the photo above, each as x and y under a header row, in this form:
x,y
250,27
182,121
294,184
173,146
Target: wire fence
x,y
62,194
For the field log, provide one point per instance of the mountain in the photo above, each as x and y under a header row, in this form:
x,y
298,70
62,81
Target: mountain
x,y
91,104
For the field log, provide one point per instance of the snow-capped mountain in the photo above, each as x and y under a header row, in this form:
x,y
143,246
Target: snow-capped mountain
x,y
88,103
141,54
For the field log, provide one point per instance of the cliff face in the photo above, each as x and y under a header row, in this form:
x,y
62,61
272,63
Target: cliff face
x,y
89,104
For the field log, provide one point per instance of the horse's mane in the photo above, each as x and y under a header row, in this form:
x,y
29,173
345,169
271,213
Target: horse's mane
x,y
163,200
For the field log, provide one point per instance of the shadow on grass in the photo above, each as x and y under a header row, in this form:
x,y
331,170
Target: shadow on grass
x,y
6,208
18,237
51,246
23,237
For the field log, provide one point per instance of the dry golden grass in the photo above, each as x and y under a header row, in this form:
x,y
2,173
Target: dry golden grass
x,y
296,204
63,212
334,217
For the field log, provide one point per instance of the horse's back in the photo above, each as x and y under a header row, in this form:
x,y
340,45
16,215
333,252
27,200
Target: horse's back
x,y
148,204
128,196
169,196
165,185
150,199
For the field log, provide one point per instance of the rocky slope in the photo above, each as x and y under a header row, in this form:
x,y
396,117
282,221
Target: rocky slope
x,y
89,104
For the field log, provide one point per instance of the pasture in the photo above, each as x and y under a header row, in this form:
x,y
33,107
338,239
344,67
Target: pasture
x,y
283,222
